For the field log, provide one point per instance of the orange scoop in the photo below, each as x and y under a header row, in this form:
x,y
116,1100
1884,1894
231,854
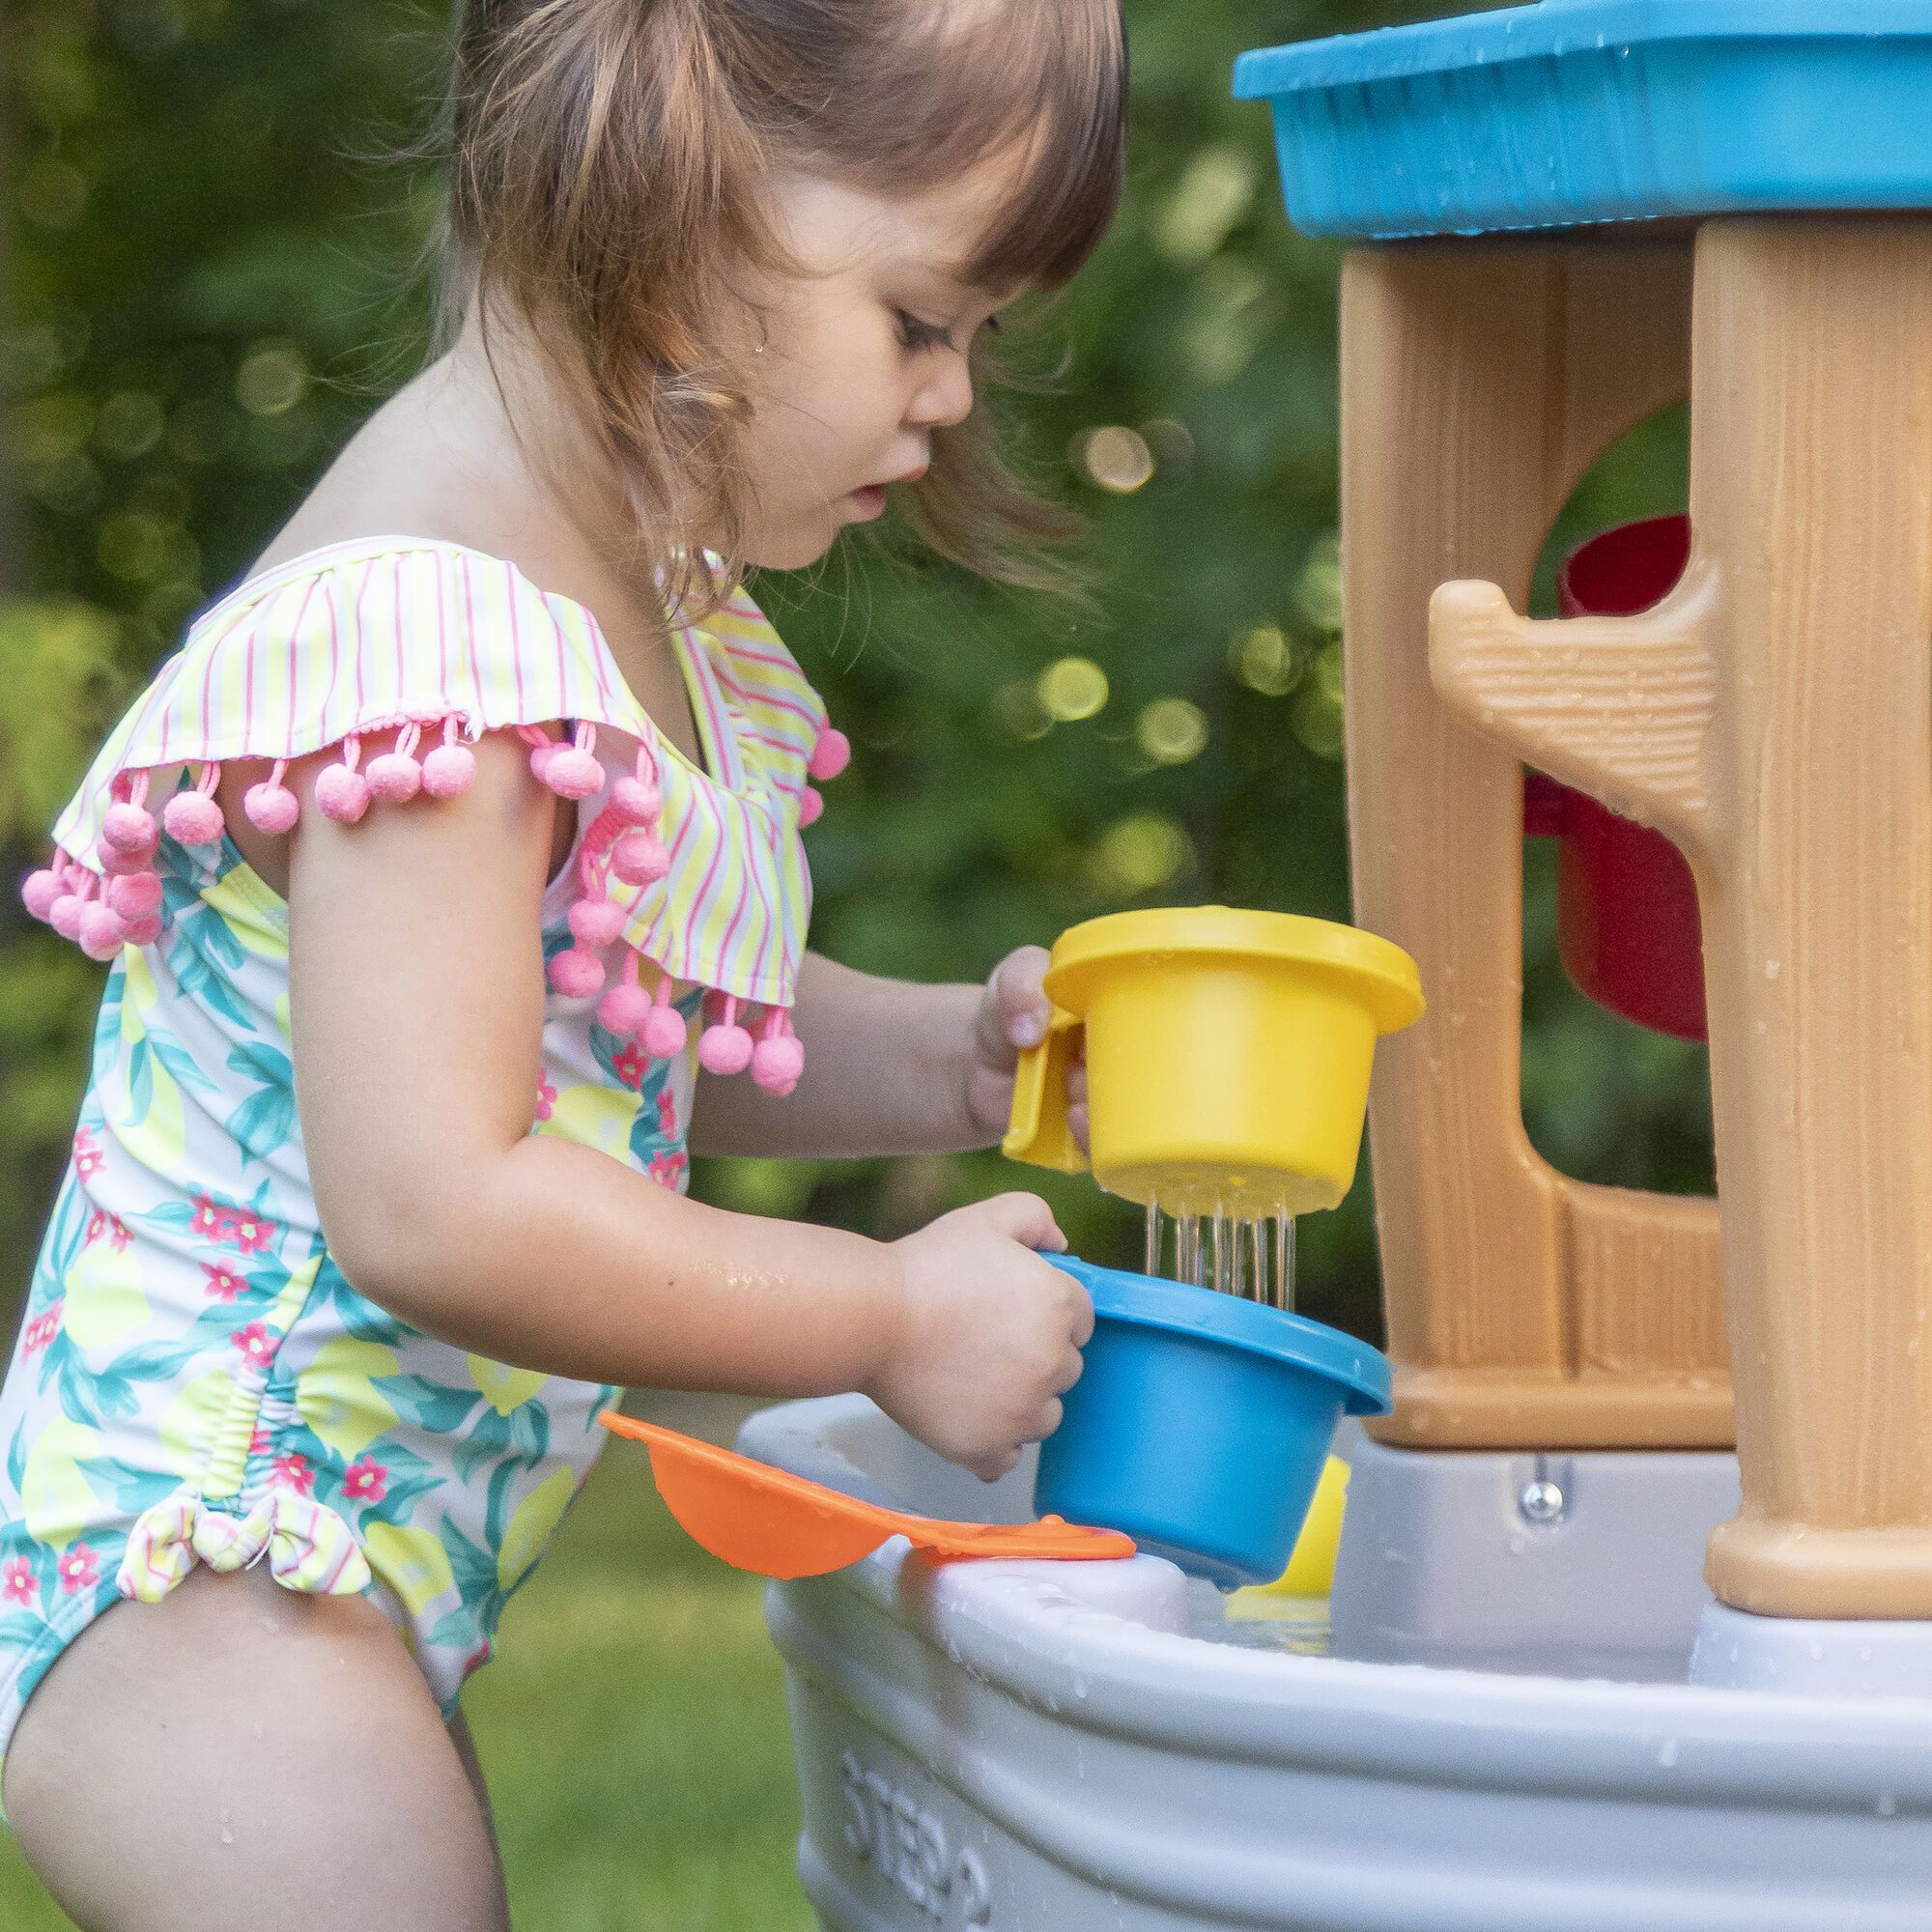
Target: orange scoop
x,y
778,1524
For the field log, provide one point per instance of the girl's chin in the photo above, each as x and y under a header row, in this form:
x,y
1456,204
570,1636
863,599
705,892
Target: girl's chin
x,y
804,542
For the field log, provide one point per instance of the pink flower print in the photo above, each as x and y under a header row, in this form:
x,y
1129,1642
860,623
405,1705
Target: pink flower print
x,y
17,1582
100,1223
629,1067
224,1284
250,1232
366,1480
667,1110
255,1342
208,1217
292,1472
79,1570
545,1097
41,1331
260,1442
666,1168
476,1660
88,1159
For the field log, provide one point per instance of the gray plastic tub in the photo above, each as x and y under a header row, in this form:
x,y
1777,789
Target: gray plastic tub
x,y
1092,1748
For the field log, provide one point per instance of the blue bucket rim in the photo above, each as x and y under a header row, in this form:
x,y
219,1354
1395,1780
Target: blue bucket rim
x,y
1151,1301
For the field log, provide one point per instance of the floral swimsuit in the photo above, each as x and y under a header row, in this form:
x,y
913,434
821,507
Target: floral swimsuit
x,y
195,1381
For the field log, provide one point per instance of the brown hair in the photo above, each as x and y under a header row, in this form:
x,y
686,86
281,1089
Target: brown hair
x,y
604,157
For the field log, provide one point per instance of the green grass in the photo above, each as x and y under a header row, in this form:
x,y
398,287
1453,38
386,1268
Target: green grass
x,y
634,1731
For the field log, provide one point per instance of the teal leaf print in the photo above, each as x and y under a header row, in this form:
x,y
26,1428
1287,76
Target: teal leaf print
x,y
22,1632
263,1122
199,980
180,1063
475,1568
16,1459
140,1082
442,1411
131,1490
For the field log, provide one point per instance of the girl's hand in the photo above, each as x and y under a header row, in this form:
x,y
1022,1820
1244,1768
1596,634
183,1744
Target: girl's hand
x,y
1012,1015
989,1336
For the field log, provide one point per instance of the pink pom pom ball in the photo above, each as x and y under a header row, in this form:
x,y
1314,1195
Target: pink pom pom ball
x,y
135,895
776,1064
39,890
101,933
341,794
270,808
636,801
193,819
595,922
664,1032
831,755
142,931
542,754
725,1049
64,915
448,771
124,865
571,773
622,1010
639,858
575,974
129,828
394,777
811,806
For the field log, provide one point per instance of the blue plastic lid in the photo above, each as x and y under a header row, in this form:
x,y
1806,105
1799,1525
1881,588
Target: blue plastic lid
x,y
1559,27
1578,112
1151,1302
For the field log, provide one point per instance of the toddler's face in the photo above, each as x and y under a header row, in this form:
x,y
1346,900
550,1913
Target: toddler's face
x,y
865,353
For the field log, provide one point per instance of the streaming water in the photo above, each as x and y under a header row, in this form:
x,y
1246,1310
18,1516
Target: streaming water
x,y
1252,1257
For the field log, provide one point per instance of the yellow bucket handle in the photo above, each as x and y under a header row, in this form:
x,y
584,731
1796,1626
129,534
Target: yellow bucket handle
x,y
1038,1131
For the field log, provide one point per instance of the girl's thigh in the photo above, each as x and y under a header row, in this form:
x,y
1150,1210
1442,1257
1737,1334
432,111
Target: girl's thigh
x,y
243,1758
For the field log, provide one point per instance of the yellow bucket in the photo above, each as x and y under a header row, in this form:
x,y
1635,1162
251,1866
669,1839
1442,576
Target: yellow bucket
x,y
1228,1056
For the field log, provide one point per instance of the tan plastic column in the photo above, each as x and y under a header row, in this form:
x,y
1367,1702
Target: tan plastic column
x,y
1774,715
1479,381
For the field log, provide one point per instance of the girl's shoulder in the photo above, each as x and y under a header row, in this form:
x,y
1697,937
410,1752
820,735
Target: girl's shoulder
x,y
424,644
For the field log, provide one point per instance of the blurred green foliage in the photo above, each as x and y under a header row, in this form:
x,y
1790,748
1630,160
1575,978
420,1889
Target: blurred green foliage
x,y
212,280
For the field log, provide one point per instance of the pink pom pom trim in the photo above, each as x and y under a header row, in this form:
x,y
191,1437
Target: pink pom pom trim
x,y
811,806
575,974
39,890
450,769
394,776
662,1034
101,932
193,818
572,770
830,754
143,932
135,896
641,858
595,922
624,1008
271,806
130,829
725,1050
777,1061
341,792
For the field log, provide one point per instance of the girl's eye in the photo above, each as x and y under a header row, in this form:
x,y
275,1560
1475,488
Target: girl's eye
x,y
916,334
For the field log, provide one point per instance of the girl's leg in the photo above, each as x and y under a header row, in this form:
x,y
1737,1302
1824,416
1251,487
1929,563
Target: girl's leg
x,y
243,1758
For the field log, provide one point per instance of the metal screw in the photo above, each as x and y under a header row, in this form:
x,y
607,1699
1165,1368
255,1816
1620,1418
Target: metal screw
x,y
1541,1501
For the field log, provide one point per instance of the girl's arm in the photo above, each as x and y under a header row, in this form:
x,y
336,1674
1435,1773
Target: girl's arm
x,y
416,1011
890,1066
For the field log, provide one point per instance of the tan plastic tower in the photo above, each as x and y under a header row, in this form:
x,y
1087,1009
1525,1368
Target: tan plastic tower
x,y
1773,716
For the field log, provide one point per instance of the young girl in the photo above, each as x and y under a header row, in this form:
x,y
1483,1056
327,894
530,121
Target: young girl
x,y
431,870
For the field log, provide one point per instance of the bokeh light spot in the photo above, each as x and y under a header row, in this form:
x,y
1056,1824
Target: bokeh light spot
x,y
1171,731
1072,689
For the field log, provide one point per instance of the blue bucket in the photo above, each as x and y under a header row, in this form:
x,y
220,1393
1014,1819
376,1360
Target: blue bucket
x,y
1201,1423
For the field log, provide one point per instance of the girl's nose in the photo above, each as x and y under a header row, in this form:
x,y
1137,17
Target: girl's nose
x,y
944,397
